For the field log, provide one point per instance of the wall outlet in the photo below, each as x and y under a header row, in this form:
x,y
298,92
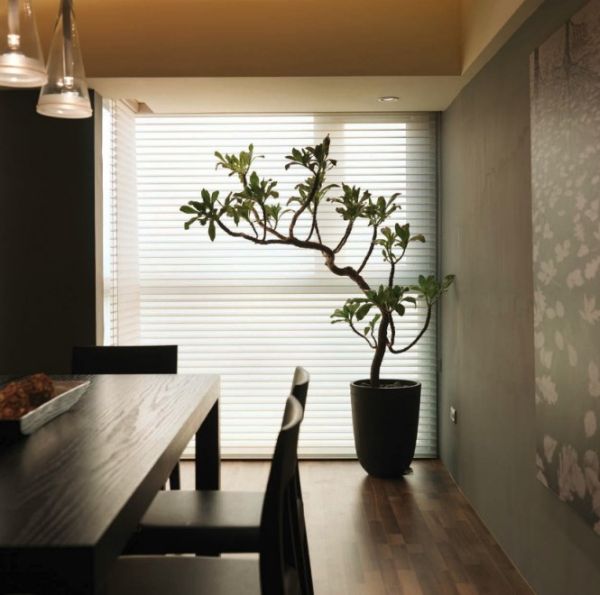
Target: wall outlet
x,y
453,415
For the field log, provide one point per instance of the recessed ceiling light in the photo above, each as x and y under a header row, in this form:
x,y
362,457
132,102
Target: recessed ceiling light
x,y
388,98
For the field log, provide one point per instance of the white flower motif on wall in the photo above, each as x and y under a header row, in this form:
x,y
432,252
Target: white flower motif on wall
x,y
591,268
549,447
575,279
590,423
562,250
560,309
594,380
538,340
591,471
546,358
571,479
592,212
590,313
539,307
573,359
547,271
540,471
547,389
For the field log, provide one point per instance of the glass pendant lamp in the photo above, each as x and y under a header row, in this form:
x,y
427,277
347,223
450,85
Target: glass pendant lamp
x,y
65,95
21,60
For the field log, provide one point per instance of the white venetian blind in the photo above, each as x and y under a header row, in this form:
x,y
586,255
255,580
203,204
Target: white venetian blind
x,y
252,313
121,226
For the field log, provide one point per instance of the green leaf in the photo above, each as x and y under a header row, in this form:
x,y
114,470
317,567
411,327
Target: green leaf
x,y
448,280
362,311
211,231
400,309
188,210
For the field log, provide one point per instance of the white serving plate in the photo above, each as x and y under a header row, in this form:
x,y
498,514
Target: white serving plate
x,y
68,393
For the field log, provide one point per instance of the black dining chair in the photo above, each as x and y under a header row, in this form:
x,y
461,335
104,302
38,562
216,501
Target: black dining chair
x,y
215,522
274,573
138,359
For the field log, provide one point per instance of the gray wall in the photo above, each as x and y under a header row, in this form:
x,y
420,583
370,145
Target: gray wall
x,y
487,321
47,278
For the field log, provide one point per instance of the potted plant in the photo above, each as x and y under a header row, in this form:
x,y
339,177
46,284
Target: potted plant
x,y
385,412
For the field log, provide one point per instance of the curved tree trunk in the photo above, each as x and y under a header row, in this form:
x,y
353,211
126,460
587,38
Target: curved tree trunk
x,y
381,347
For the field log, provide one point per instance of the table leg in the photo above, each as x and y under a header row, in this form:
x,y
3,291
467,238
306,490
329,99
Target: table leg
x,y
208,452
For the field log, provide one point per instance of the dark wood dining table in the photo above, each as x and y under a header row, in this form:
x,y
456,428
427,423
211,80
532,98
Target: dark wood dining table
x,y
73,493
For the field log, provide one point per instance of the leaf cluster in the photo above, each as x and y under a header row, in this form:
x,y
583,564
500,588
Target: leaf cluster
x,y
312,158
385,299
430,289
355,204
396,239
251,204
205,211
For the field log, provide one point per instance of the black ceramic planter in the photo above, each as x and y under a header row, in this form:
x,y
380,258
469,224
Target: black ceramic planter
x,y
385,421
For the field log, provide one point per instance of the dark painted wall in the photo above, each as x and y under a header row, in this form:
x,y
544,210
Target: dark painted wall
x,y
47,295
487,321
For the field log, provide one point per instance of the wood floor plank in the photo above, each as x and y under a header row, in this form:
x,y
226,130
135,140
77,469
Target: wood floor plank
x,y
413,536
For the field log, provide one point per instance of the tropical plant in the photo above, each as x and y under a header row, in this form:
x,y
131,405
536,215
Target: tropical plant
x,y
256,214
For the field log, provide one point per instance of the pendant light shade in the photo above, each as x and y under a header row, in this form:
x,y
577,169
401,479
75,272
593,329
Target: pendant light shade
x,y
65,95
21,60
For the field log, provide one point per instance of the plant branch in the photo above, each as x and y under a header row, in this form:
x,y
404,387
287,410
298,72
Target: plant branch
x,y
329,255
369,251
392,331
345,237
393,264
244,180
253,226
276,233
313,192
414,342
264,221
327,252
357,332
314,228
245,236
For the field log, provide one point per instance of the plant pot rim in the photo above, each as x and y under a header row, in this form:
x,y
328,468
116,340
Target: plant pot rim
x,y
386,384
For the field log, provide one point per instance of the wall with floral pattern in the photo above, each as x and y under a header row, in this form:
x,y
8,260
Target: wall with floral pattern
x,y
565,112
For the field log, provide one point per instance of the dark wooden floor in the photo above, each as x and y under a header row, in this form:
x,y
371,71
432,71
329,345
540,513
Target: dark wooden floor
x,y
415,536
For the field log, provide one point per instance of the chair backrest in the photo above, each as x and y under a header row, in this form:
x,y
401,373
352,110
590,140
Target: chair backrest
x,y
146,359
300,385
276,557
